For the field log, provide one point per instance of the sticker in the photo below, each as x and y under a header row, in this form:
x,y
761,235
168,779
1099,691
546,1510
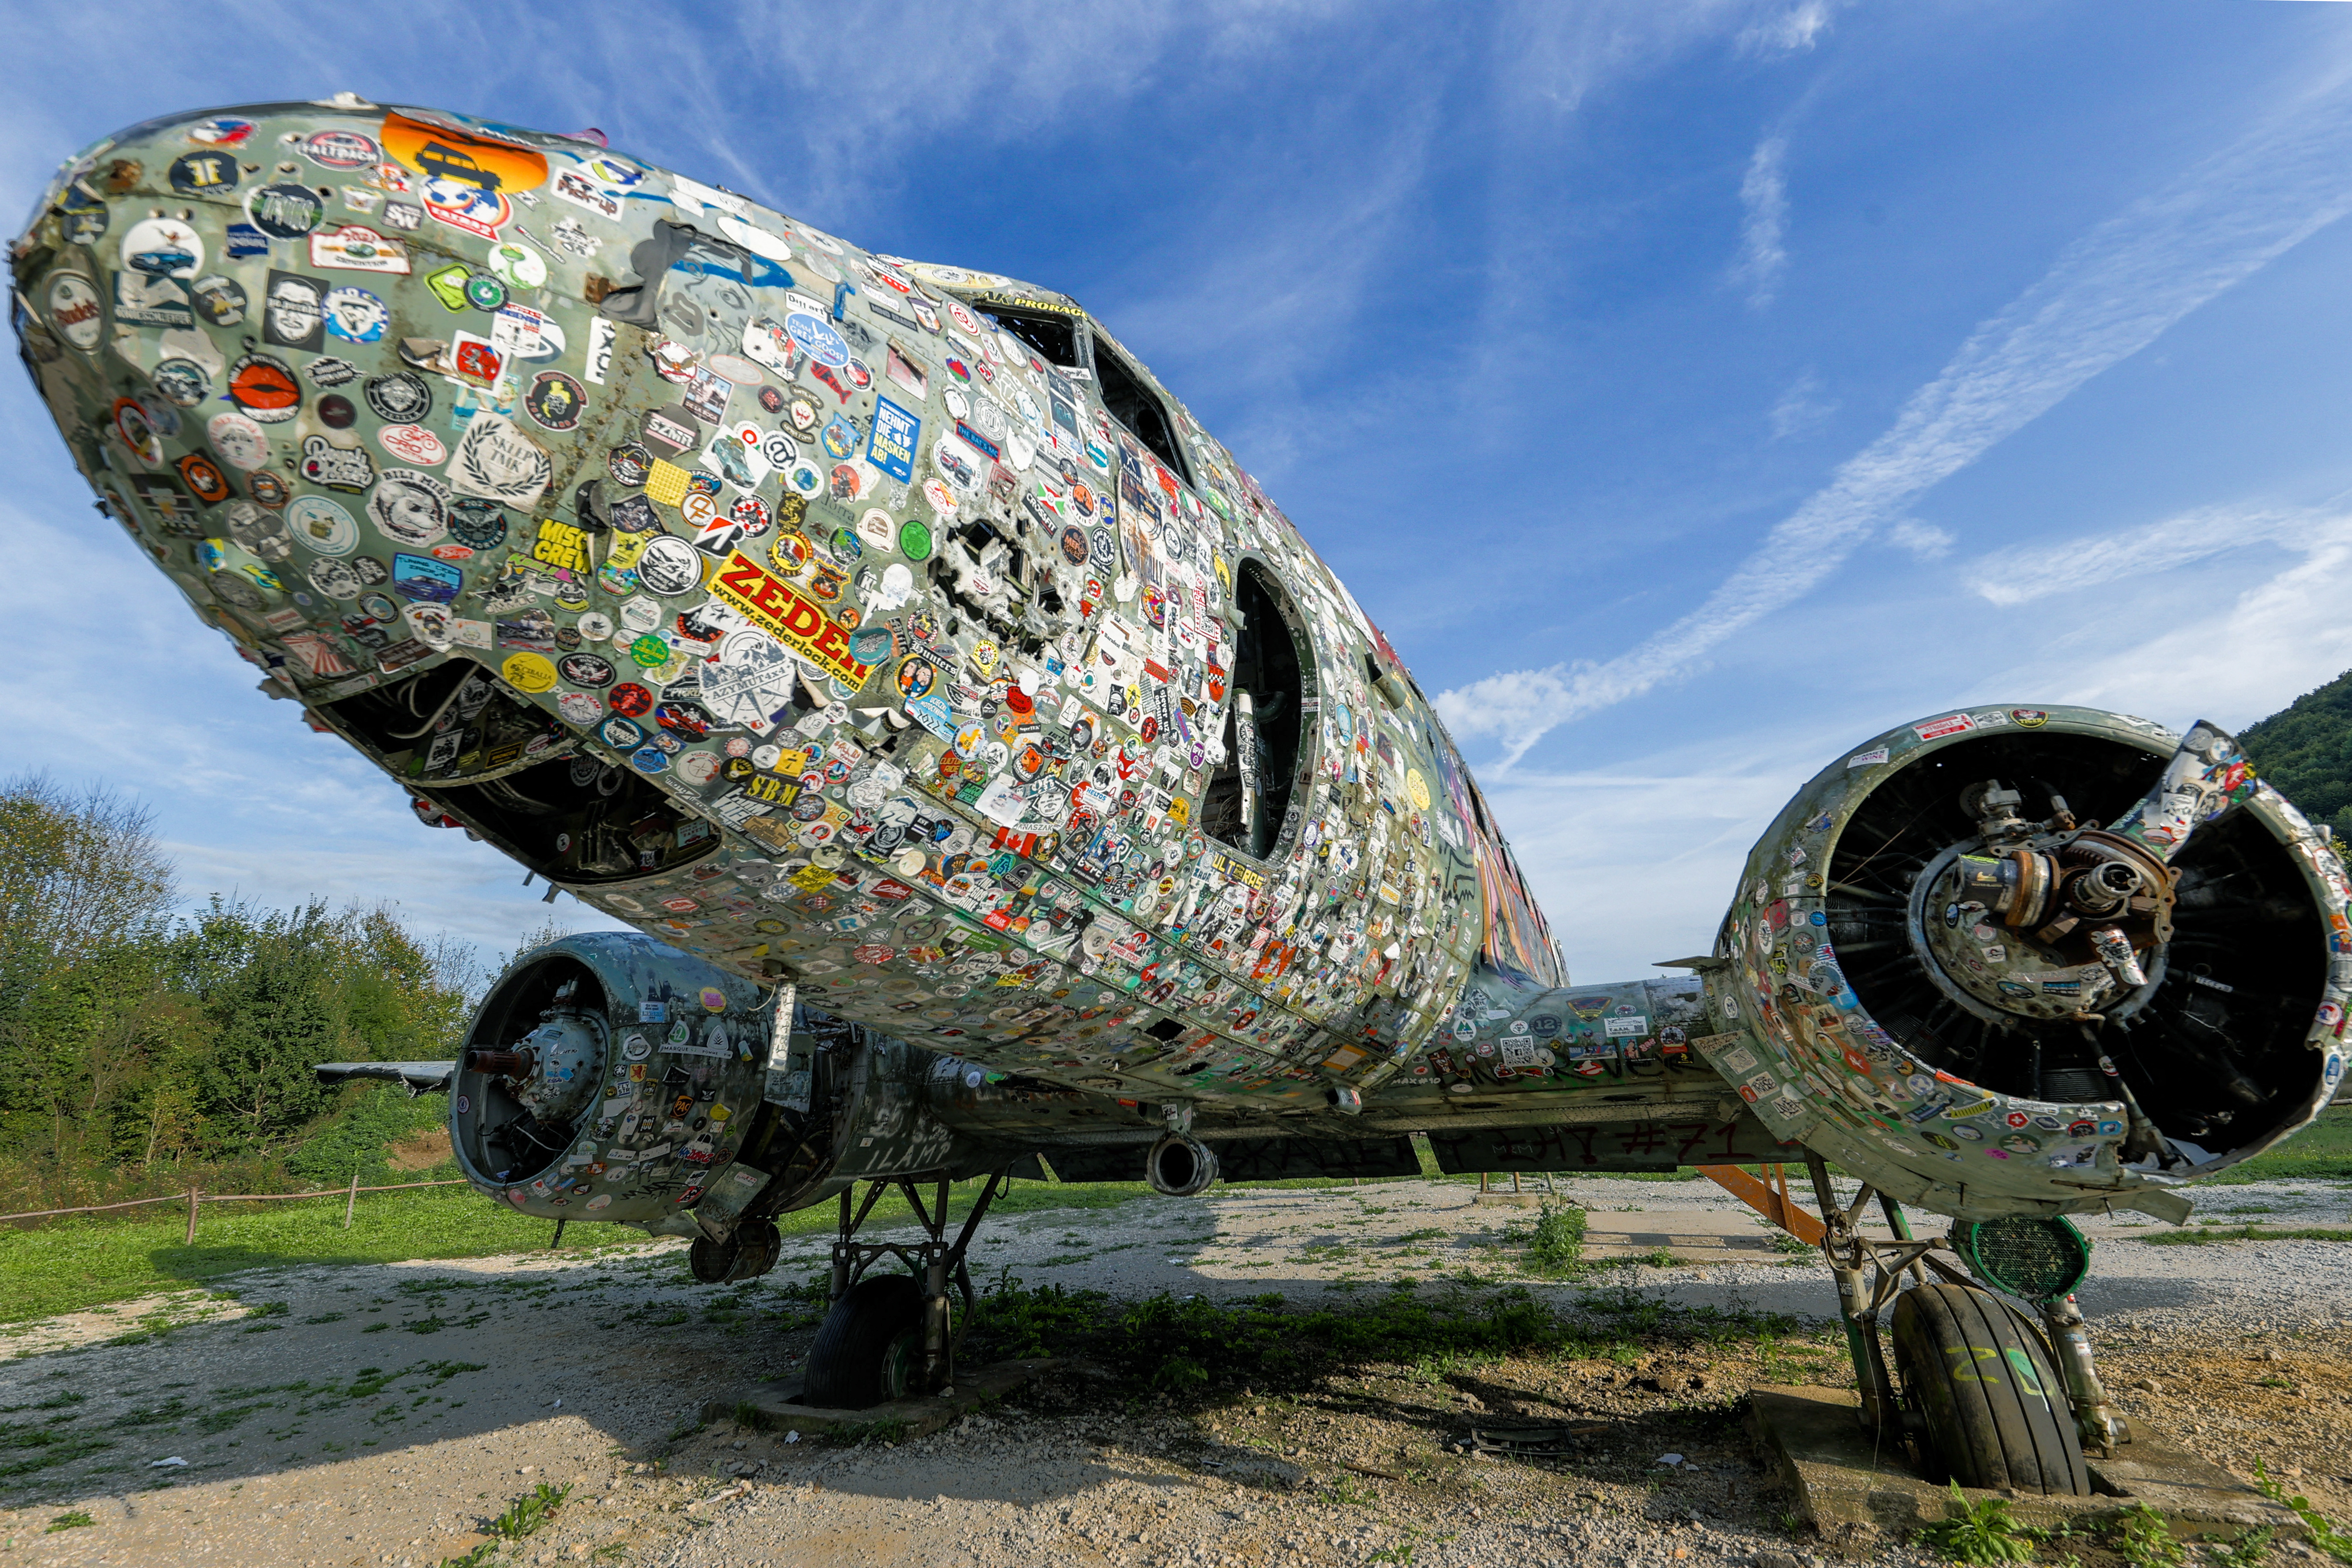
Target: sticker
x,y
529,672
356,247
322,525
162,247
496,460
891,447
265,388
356,315
555,401
293,312
218,298
670,567
341,150
284,210
410,507
204,478
775,608
346,468
240,442
401,398
413,444
74,310
1936,729
817,335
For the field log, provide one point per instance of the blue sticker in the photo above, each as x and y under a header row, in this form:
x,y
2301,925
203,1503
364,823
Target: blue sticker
x,y
891,447
649,759
242,242
816,335
424,580
840,438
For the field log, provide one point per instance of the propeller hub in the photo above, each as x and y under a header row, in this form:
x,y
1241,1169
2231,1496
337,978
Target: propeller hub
x,y
2030,923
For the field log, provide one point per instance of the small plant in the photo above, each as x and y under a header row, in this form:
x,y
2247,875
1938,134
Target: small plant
x,y
2323,1533
73,1519
1347,1493
1556,1250
1979,1533
2145,1540
2250,1549
1660,1258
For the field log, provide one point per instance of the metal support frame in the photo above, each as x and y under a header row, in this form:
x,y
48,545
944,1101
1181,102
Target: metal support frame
x,y
935,1262
2100,1424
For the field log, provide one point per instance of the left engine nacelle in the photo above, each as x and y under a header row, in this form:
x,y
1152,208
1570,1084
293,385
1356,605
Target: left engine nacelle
x,y
608,1076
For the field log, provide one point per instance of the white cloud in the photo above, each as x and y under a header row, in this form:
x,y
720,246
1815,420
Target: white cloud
x,y
2110,294
2028,573
1792,31
1763,232
1923,540
1800,407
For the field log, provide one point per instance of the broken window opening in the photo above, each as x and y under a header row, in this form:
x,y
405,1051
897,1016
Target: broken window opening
x,y
1247,803
1055,338
1133,403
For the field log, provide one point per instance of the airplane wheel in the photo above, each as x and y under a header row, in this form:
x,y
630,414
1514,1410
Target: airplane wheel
x,y
1993,1411
870,1349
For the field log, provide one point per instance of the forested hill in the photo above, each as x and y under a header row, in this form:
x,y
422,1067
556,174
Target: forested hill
x,y
2306,751
141,1049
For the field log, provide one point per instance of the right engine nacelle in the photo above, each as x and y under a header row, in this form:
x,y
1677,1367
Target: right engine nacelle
x,y
1945,974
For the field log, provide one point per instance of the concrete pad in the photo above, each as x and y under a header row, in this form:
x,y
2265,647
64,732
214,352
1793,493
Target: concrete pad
x,y
1851,1488
777,1407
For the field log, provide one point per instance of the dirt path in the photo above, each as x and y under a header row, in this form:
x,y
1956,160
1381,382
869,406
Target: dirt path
x,y
383,1414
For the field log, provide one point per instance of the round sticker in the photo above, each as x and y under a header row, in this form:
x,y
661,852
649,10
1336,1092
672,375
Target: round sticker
x,y
478,524
268,489
219,300
401,398
336,412
587,669
630,465
284,210
334,580
241,443
670,566
556,401
162,247
579,709
518,264
341,150
1417,787
413,444
184,381
410,507
529,672
648,652
355,315
322,525
265,388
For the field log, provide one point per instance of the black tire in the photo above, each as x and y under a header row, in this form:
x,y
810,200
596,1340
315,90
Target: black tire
x,y
1994,1412
870,1349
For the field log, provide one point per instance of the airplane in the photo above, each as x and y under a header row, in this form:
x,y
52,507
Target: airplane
x,y
988,769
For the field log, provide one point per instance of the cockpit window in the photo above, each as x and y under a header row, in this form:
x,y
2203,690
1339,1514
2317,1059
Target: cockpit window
x,y
1054,337
1248,801
1133,403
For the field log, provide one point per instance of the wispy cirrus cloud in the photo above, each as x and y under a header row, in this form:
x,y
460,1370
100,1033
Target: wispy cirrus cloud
x,y
2110,294
1764,231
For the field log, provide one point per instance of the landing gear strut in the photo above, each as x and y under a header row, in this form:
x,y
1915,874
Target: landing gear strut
x,y
1982,1400
889,1336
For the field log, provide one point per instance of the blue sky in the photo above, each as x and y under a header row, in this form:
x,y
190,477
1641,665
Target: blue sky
x,y
1690,388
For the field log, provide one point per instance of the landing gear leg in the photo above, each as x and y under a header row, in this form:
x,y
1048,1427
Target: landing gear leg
x,y
893,1335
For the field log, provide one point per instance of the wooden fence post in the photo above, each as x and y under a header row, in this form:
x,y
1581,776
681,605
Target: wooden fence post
x,y
192,1216
353,1201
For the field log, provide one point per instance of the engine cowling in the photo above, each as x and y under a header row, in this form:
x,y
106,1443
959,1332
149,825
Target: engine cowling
x,y
2029,960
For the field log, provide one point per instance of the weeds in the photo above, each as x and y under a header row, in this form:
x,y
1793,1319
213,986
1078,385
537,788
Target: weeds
x,y
523,1518
1979,1533
2324,1534
2250,1549
2144,1539
73,1519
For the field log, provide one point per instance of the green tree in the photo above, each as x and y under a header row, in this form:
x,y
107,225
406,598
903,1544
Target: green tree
x,y
2306,749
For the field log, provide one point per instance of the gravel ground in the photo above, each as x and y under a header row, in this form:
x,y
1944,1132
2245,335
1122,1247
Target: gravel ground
x,y
383,1415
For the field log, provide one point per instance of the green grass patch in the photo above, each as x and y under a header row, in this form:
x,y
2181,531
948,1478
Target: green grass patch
x,y
2321,1151
2206,1235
